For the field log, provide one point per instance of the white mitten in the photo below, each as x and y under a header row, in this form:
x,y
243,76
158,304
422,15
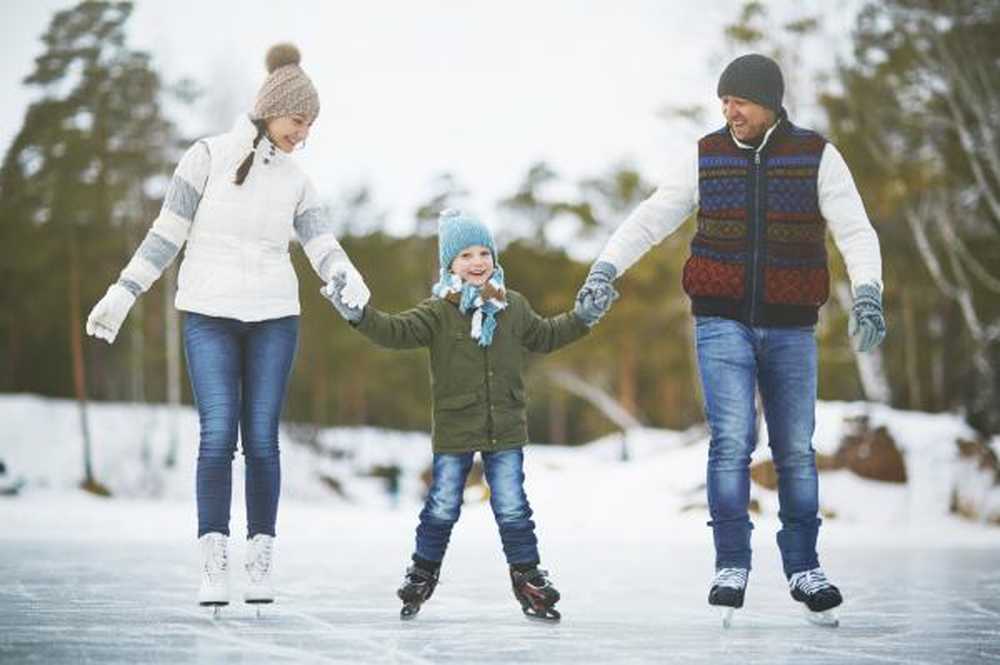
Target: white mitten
x,y
109,313
355,293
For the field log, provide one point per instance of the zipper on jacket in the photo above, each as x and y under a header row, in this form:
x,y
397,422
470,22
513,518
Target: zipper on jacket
x,y
755,245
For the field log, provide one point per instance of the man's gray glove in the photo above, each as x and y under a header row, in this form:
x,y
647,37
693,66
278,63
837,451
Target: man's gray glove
x,y
597,293
867,324
334,292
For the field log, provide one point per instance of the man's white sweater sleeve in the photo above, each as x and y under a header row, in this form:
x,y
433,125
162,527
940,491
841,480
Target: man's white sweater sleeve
x,y
844,212
656,217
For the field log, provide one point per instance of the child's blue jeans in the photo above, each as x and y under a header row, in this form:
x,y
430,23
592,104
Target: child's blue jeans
x,y
505,475
239,376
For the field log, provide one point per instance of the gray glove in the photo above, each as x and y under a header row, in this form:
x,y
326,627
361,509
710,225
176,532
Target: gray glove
x,y
867,324
334,292
597,293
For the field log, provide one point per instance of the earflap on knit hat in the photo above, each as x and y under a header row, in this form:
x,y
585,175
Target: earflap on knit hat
x,y
286,90
458,230
755,77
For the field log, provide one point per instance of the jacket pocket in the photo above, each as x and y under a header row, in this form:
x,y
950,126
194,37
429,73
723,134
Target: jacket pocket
x,y
510,415
459,422
457,402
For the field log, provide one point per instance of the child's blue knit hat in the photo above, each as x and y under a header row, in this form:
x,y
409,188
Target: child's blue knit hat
x,y
458,230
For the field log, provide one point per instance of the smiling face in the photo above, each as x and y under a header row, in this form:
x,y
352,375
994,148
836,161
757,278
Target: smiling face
x,y
288,131
474,264
747,120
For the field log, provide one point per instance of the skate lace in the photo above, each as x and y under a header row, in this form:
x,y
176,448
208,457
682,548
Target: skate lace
x,y
735,578
415,575
259,561
537,578
217,562
809,581
540,579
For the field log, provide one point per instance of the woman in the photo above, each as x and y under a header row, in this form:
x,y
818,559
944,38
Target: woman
x,y
236,199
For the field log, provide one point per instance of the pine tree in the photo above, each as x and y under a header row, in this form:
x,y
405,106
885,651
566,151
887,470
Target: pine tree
x,y
72,182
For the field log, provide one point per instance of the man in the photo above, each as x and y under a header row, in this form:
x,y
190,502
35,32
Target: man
x,y
765,191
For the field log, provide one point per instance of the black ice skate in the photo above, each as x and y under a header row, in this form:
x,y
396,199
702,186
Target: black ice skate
x,y
535,593
418,586
728,588
811,588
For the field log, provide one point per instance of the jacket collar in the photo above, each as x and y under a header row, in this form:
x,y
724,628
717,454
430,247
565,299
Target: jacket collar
x,y
266,153
781,120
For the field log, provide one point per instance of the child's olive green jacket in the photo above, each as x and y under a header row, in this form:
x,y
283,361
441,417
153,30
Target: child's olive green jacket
x,y
478,392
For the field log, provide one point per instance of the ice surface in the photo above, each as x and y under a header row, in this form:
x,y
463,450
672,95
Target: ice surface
x,y
85,581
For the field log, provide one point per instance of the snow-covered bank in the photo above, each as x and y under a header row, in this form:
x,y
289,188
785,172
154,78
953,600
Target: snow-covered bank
x,y
658,494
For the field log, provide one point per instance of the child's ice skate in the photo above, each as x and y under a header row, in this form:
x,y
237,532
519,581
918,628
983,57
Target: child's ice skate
x,y
536,594
728,588
260,589
214,590
418,586
819,597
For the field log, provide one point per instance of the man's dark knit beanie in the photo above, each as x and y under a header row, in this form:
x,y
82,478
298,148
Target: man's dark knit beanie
x,y
755,77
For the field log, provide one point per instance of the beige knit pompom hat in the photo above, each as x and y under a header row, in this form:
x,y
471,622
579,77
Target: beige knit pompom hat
x,y
287,90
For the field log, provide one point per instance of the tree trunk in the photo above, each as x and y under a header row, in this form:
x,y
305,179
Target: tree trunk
x,y
171,320
76,349
13,353
627,375
557,417
871,370
320,390
915,394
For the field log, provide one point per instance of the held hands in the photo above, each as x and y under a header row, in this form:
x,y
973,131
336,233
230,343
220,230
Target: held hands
x,y
867,324
597,293
109,313
355,292
334,292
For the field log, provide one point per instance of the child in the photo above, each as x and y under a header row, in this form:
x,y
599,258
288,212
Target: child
x,y
479,334
235,201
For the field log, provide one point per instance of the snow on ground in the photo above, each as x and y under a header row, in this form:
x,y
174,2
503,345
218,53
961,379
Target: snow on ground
x,y
86,579
586,486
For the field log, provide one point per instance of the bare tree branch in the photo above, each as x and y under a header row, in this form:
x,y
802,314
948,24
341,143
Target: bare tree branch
x,y
604,402
977,269
985,149
927,253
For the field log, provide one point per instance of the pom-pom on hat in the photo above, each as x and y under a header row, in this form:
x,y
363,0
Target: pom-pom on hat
x,y
286,90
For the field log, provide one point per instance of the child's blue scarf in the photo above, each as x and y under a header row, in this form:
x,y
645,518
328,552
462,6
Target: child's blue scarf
x,y
483,301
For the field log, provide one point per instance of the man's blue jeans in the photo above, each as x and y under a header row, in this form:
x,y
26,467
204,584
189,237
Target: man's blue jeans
x,y
733,360
239,377
504,472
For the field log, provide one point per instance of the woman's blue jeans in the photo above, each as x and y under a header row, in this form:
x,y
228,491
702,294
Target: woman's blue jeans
x,y
504,472
239,377
734,360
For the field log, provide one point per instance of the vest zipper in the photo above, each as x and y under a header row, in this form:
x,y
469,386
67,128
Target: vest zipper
x,y
755,249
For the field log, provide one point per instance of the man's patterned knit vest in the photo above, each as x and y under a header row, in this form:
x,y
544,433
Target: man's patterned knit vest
x,y
759,255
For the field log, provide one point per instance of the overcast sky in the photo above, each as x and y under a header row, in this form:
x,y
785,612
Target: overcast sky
x,y
413,89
